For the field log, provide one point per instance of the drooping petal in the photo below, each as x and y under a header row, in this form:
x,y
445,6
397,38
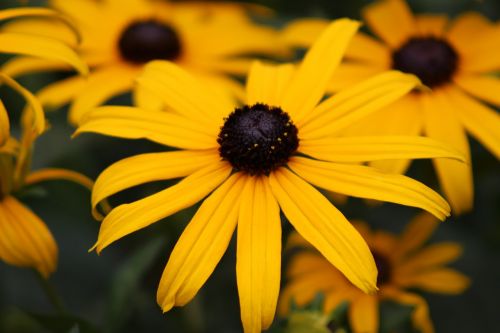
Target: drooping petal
x,y
442,123
365,182
4,125
418,231
356,102
201,245
128,218
36,116
57,94
322,225
267,83
28,65
145,168
420,316
440,280
165,128
258,257
37,46
24,239
101,85
303,32
363,314
482,122
391,20
186,95
371,148
314,73
58,174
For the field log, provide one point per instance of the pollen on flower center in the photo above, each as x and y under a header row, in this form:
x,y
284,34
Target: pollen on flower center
x,y
384,268
257,139
143,41
433,60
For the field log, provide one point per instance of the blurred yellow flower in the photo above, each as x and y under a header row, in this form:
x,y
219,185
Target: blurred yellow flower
x,y
454,59
250,161
402,263
25,240
119,37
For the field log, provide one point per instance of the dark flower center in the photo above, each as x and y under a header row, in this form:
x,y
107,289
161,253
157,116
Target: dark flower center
x,y
433,60
257,139
144,41
384,268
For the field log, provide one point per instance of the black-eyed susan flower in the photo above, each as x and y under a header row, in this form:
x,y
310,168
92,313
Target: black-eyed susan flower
x,y
252,161
119,37
25,240
454,59
402,262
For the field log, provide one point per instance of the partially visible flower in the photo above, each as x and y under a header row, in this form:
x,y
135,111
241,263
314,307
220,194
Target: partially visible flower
x,y
34,45
211,40
402,262
457,60
25,240
247,163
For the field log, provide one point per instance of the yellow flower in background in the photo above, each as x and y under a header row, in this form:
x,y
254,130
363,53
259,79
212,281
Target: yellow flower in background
x,y
25,240
455,59
247,163
119,37
402,262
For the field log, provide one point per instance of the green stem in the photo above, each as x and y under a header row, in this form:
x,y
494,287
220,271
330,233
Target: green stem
x,y
51,294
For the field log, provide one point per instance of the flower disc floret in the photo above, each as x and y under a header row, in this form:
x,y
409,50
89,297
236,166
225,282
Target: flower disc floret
x,y
257,139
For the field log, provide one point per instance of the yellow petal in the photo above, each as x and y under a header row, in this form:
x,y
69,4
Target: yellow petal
x,y
391,20
145,168
481,86
101,86
322,225
28,65
4,125
24,239
267,83
363,314
57,94
441,280
183,93
145,99
482,122
46,48
418,230
128,218
304,31
306,262
10,147
420,316
431,25
163,127
58,174
429,257
36,116
258,256
356,102
365,182
201,245
442,123
370,51
314,73
371,148
350,73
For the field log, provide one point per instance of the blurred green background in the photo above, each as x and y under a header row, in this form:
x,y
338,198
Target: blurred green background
x,y
115,292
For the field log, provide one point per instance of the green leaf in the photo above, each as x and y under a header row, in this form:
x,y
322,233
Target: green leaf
x,y
126,282
63,323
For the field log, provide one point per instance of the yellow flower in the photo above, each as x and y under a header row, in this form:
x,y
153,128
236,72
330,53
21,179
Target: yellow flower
x,y
454,59
119,37
402,263
254,160
25,240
